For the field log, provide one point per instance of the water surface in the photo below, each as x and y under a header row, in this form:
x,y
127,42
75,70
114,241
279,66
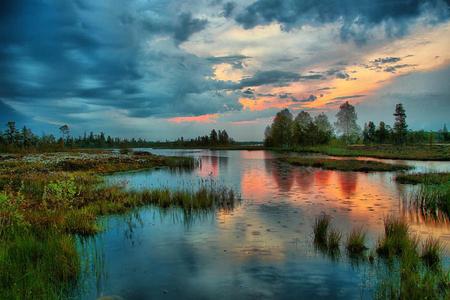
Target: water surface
x,y
261,249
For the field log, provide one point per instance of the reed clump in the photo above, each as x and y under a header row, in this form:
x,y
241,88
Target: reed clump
x,y
356,241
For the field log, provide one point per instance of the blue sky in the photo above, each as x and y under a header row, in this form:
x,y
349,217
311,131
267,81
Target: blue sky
x,y
163,68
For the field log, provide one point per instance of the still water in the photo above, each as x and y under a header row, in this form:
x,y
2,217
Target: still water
x,y
262,249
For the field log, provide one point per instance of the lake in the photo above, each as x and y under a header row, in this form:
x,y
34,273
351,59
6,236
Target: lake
x,y
263,249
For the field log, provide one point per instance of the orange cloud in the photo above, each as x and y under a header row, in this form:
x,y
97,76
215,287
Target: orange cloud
x,y
208,118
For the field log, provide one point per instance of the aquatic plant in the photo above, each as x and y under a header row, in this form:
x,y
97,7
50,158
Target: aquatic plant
x,y
396,237
334,239
356,241
433,199
320,229
431,251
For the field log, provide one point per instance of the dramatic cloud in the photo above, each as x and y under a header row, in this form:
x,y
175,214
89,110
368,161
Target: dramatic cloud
x,y
169,67
356,18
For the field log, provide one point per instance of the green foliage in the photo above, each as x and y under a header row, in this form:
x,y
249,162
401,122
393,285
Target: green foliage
x,y
400,126
346,122
303,130
60,193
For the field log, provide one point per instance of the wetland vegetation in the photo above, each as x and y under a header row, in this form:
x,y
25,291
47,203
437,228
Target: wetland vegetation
x,y
405,267
345,164
46,199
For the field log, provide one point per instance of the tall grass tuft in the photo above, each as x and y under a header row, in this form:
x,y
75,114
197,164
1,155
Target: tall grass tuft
x,y
334,239
356,241
431,251
396,237
321,226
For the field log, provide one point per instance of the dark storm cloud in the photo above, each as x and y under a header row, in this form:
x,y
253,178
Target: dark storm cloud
x,y
356,17
107,55
237,61
342,75
228,9
310,98
394,68
385,60
188,26
348,97
276,77
248,93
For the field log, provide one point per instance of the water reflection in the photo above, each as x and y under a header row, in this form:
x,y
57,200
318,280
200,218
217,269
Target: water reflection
x,y
260,249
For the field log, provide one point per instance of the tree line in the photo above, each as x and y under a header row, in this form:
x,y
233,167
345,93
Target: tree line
x,y
13,139
305,130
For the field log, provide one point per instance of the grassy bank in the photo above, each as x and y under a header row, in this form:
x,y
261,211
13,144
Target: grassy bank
x,y
424,178
417,152
432,197
45,199
344,164
403,266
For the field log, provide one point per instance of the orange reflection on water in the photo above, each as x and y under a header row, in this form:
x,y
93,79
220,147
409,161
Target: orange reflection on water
x,y
209,167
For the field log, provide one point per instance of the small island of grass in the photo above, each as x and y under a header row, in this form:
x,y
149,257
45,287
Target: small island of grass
x,y
433,195
345,164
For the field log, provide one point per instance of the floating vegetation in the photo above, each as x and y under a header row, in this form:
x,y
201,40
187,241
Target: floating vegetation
x,y
345,164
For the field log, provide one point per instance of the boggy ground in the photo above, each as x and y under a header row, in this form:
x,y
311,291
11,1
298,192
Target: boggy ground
x,y
47,198
345,164
410,152
432,197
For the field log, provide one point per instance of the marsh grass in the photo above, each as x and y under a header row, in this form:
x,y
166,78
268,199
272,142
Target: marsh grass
x,y
320,229
356,241
334,239
399,270
432,197
433,200
414,152
46,201
37,264
431,252
345,164
423,178
396,237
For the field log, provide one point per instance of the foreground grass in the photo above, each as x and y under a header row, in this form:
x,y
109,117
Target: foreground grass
x,y
402,269
418,152
345,164
432,197
46,199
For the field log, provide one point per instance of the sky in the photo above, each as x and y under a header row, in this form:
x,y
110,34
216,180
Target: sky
x,y
161,69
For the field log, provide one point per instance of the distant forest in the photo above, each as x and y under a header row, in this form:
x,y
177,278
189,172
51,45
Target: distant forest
x,y
284,132
304,130
16,140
